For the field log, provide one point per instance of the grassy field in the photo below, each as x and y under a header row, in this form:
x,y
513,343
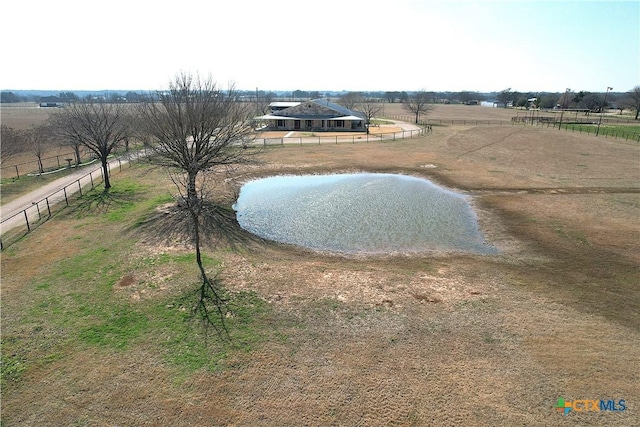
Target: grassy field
x,y
95,304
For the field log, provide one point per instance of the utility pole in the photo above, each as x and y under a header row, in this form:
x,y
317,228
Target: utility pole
x,y
602,109
564,100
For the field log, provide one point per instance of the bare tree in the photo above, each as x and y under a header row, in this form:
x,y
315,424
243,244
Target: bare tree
x,y
10,143
195,130
196,127
565,99
391,96
350,100
263,101
418,103
506,96
591,101
98,126
632,100
370,108
38,139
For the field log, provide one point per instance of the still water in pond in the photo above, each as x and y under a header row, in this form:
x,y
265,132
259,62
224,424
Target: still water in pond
x,y
360,213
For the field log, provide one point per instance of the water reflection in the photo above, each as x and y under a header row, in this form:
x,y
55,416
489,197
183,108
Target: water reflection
x,y
360,213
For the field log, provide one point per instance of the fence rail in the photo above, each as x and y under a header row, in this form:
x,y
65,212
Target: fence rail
x,y
569,123
58,161
431,121
316,139
590,126
17,225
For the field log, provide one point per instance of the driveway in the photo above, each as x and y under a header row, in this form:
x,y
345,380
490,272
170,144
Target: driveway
x,y
13,213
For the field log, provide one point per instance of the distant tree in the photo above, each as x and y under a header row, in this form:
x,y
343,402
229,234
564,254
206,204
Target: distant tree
x,y
9,97
418,103
632,100
404,96
98,126
370,107
115,97
299,94
350,100
506,96
547,101
62,141
133,96
263,101
68,97
38,140
391,97
465,96
10,143
521,101
590,101
566,99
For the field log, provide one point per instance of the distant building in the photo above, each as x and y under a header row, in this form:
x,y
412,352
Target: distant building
x,y
52,104
51,101
314,115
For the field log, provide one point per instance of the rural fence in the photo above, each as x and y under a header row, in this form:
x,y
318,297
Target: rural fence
x,y
425,121
570,124
18,224
352,138
582,126
48,163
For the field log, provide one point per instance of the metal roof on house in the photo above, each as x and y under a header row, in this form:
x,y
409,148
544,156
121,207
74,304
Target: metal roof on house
x,y
316,109
274,117
284,103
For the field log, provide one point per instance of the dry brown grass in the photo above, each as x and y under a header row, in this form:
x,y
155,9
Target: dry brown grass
x,y
439,339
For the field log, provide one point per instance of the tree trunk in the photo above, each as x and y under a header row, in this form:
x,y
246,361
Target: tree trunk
x,y
196,241
40,165
417,114
76,150
192,191
105,173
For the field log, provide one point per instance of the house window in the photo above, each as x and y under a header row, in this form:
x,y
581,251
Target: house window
x,y
309,123
339,123
280,123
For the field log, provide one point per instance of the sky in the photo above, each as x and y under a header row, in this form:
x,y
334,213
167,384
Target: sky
x,y
328,45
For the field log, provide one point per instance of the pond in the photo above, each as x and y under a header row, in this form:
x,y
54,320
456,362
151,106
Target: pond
x,y
363,213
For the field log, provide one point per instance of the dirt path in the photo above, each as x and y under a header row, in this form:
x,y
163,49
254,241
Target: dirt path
x,y
11,213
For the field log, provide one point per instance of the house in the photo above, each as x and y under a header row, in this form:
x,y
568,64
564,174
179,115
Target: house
x,y
314,115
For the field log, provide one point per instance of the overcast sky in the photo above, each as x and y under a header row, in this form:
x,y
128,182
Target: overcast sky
x,y
354,45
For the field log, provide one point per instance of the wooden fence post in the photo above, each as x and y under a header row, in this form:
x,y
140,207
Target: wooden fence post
x,y
26,218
